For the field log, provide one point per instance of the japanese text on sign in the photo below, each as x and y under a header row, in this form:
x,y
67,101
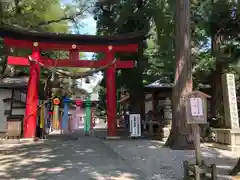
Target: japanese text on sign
x,y
135,125
196,106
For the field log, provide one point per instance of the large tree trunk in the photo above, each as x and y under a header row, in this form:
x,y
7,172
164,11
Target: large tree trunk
x,y
217,109
137,97
180,136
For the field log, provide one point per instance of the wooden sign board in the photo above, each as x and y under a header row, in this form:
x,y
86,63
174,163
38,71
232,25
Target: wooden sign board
x,y
196,107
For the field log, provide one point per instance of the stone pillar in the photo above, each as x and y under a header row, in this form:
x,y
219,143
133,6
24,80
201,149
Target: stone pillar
x,y
229,137
230,102
167,122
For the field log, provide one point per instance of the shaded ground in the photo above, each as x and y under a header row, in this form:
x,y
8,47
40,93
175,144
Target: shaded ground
x,y
63,158
158,162
77,157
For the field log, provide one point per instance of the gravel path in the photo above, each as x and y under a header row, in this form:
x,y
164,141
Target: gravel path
x,y
64,158
160,163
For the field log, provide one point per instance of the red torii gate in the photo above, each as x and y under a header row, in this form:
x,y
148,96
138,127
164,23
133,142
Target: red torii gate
x,y
74,44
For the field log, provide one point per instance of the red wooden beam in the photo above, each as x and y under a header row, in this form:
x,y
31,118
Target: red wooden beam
x,y
18,61
22,61
67,47
124,64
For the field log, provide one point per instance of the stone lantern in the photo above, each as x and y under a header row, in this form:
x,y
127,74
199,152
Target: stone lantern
x,y
167,118
167,112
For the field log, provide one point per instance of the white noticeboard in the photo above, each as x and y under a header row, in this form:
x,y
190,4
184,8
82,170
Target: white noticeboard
x,y
196,106
135,125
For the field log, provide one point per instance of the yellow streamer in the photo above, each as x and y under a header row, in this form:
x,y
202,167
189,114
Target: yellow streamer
x,y
42,116
56,116
56,102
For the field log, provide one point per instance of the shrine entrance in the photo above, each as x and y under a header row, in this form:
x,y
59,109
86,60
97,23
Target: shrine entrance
x,y
74,44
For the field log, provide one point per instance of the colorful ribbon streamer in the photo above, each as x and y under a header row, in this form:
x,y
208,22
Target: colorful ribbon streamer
x,y
41,124
65,113
88,115
56,103
48,115
77,114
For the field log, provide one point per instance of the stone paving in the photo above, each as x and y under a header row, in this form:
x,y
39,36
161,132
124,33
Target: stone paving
x,y
158,162
63,158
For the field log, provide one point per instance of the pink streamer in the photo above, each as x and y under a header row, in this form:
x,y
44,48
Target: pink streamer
x,y
76,118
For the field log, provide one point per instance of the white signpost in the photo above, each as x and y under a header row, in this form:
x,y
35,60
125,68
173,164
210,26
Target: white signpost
x,y
135,125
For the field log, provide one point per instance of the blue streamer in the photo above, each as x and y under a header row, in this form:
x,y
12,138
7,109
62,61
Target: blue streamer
x,y
65,113
48,115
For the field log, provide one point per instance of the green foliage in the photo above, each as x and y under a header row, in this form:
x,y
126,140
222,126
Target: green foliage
x,y
45,15
31,13
209,20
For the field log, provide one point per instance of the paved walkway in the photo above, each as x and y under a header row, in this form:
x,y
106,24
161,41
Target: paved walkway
x,y
77,157
160,163
64,158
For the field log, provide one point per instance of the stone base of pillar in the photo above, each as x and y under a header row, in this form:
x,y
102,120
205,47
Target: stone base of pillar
x,y
165,133
162,133
227,139
112,137
55,132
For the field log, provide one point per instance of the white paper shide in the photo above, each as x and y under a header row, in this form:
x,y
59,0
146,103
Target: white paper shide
x,y
196,105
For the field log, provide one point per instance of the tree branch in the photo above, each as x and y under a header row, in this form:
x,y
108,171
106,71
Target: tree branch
x,y
45,23
71,17
64,18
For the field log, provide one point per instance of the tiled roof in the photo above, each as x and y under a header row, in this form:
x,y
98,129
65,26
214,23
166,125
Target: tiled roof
x,y
14,82
159,84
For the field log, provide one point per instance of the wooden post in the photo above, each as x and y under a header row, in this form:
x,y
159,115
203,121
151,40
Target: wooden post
x,y
186,171
196,132
196,113
214,172
196,172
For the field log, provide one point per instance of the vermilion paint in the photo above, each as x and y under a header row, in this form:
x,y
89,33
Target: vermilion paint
x,y
67,47
30,119
111,97
23,61
34,76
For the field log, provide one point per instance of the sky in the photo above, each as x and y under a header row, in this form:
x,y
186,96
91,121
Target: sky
x,y
88,26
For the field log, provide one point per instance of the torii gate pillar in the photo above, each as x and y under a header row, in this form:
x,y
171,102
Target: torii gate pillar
x,y
111,94
32,96
111,100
